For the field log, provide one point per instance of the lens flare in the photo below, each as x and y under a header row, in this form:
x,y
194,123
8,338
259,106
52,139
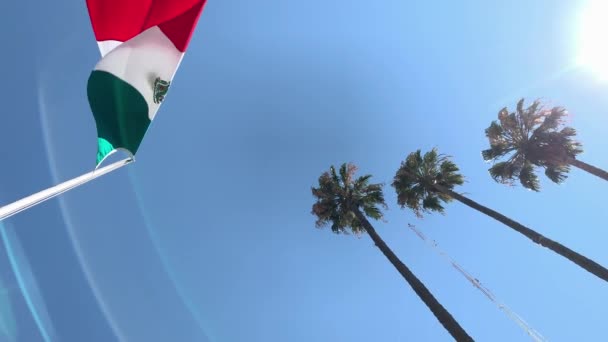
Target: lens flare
x,y
27,285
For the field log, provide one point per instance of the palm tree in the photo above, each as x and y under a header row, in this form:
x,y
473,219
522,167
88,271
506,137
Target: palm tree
x,y
344,202
423,183
531,138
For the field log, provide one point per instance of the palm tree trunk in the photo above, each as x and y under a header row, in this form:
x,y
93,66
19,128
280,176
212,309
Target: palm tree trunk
x,y
584,262
589,168
444,317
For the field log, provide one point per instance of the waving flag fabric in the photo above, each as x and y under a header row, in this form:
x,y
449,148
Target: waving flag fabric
x,y
142,43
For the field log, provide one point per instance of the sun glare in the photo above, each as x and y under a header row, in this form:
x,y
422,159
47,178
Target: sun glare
x,y
593,46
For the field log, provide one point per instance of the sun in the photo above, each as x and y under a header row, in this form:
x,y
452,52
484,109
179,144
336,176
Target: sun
x,y
592,38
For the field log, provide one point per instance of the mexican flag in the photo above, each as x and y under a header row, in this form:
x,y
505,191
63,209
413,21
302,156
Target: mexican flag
x,y
142,43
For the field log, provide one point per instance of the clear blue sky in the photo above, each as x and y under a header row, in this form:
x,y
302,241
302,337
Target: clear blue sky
x,y
209,236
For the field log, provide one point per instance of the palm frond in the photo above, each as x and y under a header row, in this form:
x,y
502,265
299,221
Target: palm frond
x,y
520,107
557,174
494,132
528,178
552,121
531,116
432,203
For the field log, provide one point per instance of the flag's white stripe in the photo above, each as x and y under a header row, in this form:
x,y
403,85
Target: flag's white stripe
x,y
107,46
39,197
140,60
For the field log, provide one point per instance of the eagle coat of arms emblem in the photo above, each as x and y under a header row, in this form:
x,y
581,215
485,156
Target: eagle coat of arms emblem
x,y
161,87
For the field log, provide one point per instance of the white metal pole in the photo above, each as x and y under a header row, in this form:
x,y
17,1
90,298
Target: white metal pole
x,y
39,197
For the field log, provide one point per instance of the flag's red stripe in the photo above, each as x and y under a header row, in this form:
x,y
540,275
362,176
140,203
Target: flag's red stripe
x,y
179,30
123,19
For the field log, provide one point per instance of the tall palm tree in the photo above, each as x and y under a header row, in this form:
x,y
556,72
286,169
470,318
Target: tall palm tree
x,y
423,183
534,137
344,202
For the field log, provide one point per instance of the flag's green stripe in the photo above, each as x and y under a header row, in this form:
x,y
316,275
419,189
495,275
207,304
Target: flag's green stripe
x,y
103,149
120,111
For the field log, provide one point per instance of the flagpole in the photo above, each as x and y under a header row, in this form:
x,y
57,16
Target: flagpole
x,y
39,197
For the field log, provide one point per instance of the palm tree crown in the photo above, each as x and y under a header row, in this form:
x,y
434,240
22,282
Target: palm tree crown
x,y
346,202
529,138
415,178
338,195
